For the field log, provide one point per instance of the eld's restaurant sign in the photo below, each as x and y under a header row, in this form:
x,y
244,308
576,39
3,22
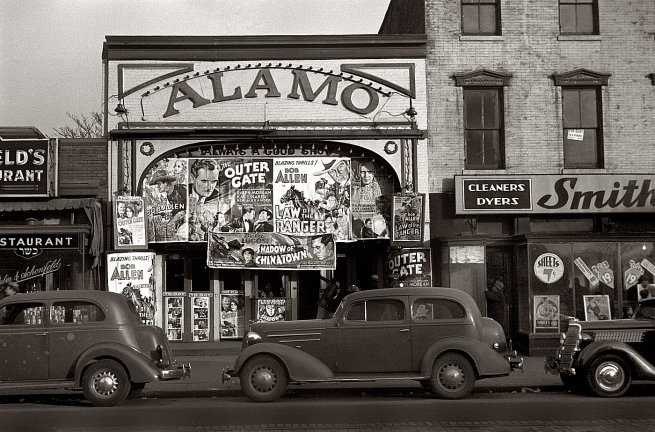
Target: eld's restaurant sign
x,y
535,194
24,168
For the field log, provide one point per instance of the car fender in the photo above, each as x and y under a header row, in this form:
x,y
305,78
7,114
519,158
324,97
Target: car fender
x,y
139,368
486,361
300,365
642,367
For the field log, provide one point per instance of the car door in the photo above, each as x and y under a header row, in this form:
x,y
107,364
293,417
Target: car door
x,y
23,342
374,337
75,325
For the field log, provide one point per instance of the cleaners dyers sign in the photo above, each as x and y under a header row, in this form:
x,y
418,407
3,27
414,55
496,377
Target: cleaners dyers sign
x,y
624,193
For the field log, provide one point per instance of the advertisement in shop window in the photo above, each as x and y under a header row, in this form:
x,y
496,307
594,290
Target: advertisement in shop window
x,y
129,222
271,309
408,210
408,267
546,313
39,262
132,275
597,308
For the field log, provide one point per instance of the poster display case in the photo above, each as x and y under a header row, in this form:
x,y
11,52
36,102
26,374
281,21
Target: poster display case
x,y
201,313
174,318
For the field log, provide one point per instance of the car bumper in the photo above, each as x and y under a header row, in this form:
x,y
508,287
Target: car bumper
x,y
176,372
227,375
515,361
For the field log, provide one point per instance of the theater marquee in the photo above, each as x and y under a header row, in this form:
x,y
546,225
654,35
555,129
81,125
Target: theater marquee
x,y
535,194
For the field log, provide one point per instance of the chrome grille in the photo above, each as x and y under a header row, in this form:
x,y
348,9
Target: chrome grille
x,y
569,347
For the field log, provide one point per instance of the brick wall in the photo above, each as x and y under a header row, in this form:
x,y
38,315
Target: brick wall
x,y
532,52
83,168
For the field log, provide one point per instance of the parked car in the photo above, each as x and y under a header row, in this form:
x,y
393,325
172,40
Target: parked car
x,y
89,340
435,336
603,357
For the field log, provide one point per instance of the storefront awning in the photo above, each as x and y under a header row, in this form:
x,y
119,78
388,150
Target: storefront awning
x,y
52,204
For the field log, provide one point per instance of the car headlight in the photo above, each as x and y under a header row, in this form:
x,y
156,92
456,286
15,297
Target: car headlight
x,y
251,338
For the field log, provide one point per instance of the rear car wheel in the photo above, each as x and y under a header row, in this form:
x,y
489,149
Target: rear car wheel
x,y
453,376
608,376
263,379
105,383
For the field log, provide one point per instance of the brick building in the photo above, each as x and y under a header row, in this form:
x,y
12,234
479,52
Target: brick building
x,y
540,129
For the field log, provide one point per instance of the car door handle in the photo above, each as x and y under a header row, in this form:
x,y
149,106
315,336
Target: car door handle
x,y
40,334
403,330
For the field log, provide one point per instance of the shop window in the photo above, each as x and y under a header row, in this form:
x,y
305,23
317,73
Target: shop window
x,y
582,117
174,274
578,17
75,312
481,17
484,134
201,275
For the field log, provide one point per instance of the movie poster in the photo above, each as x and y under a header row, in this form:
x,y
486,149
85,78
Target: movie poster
x,y
597,307
408,218
129,222
271,309
408,267
200,311
132,274
232,322
371,201
165,196
174,324
271,251
312,197
546,313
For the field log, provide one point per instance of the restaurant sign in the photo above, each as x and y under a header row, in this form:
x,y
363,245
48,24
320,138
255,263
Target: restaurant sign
x,y
535,194
31,245
24,168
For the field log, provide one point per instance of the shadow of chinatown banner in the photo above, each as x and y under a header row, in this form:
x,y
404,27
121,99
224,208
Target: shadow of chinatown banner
x,y
408,267
269,250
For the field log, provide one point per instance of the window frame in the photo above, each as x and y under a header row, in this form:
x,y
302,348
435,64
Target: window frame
x,y
576,4
486,81
479,5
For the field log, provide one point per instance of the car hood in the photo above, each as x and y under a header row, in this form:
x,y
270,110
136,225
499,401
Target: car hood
x,y
616,324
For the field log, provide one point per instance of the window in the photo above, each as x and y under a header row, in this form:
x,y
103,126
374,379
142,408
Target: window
x,y
578,17
377,310
481,17
483,128
22,314
582,118
75,312
437,309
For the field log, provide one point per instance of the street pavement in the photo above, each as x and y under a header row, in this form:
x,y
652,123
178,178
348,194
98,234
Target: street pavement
x,y
207,365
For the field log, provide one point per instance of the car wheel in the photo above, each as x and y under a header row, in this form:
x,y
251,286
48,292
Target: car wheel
x,y
608,376
136,389
452,377
263,379
105,383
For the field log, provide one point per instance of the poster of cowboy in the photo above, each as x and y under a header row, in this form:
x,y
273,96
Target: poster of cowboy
x,y
408,267
165,195
371,201
132,274
408,217
269,250
129,222
312,196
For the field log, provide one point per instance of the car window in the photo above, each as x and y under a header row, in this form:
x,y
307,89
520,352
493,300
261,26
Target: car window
x,y
22,314
377,310
75,312
437,309
645,311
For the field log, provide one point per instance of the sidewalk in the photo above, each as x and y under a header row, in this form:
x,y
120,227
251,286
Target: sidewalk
x,y
208,363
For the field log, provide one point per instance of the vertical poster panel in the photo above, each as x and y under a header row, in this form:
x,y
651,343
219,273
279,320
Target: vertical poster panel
x,y
271,251
312,197
232,324
597,307
132,274
174,323
246,196
202,201
408,218
546,313
165,195
129,222
200,312
408,267
371,203
271,309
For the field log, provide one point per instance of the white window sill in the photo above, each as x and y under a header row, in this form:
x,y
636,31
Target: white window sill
x,y
482,38
579,38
